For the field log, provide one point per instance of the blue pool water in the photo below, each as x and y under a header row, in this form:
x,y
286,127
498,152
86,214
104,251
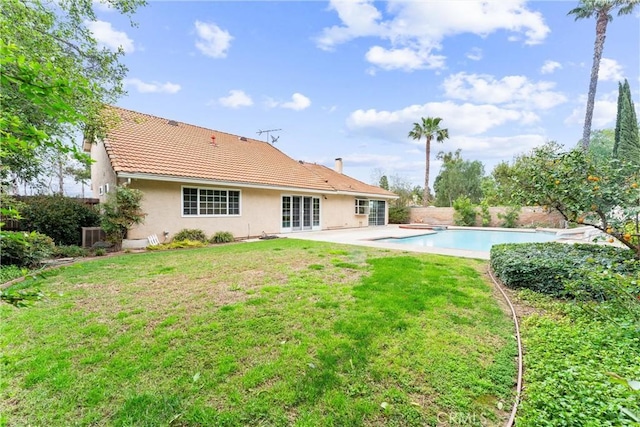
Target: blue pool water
x,y
472,240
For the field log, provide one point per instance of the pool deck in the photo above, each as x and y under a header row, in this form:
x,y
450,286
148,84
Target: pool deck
x,y
367,236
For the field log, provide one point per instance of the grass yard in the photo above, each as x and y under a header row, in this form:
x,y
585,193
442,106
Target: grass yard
x,y
281,332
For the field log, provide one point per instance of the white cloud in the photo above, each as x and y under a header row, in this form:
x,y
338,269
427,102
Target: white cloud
x,y
415,30
550,66
236,99
475,54
513,91
470,119
406,59
610,70
153,87
298,102
107,36
604,112
212,40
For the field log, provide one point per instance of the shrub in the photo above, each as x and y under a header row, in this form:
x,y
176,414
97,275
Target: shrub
x,y
484,213
465,212
510,217
190,234
176,244
71,251
25,249
10,272
100,252
546,267
121,211
222,237
398,215
59,217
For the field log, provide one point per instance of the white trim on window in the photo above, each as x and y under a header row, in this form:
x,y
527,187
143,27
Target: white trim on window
x,y
106,188
362,206
210,198
100,190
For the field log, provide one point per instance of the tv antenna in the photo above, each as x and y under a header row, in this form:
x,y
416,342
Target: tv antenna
x,y
268,132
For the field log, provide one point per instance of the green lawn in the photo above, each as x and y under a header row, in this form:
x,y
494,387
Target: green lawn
x,y
281,332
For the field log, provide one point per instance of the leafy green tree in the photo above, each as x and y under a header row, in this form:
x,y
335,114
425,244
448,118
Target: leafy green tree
x,y
55,79
428,128
457,178
384,182
602,10
627,138
121,211
605,195
602,144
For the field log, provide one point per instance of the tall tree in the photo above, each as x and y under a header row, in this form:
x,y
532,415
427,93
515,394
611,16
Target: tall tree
x,y
429,128
602,10
458,178
55,79
384,182
627,138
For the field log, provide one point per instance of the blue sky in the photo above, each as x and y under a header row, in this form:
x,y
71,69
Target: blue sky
x,y
347,79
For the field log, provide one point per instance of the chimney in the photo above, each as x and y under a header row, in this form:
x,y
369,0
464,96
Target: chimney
x,y
338,167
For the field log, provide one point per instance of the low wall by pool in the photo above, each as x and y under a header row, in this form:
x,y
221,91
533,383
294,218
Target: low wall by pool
x,y
530,216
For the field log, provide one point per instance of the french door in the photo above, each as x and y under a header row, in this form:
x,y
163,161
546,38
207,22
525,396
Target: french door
x,y
300,213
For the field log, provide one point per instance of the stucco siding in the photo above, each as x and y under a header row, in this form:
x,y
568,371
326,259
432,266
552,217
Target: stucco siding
x,y
162,202
339,212
260,211
101,172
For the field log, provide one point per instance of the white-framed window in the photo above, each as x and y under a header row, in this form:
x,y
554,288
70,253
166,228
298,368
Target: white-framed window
x,y
198,201
106,188
101,190
362,207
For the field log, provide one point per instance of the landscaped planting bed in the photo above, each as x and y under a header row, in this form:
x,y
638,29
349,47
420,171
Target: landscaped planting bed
x,y
582,352
280,332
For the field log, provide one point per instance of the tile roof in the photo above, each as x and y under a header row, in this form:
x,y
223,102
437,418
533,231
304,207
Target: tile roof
x,y
144,144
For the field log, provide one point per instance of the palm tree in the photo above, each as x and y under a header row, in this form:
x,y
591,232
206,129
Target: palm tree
x,y
429,128
602,10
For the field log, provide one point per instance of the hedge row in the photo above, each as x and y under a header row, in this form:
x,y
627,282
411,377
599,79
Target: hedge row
x,y
548,267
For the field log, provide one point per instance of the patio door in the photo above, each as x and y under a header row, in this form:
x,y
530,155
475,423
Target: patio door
x,y
376,212
300,213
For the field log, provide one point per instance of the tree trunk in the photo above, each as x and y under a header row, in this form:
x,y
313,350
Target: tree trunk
x,y
601,30
425,195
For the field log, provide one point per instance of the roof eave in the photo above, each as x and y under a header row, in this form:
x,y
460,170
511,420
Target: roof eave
x,y
202,181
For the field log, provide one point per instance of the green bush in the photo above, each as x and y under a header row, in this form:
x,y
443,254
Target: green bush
x,y
547,267
176,244
465,212
70,251
510,217
59,217
190,234
121,211
398,215
222,237
25,249
99,252
10,272
484,213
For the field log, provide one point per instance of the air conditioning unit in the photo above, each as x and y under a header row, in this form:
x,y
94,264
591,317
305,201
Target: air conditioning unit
x,y
91,235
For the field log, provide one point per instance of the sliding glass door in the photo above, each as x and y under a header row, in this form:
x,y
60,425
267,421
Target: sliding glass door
x,y
376,212
300,213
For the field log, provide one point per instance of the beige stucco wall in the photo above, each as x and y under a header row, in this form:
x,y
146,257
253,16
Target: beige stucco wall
x,y
529,216
260,211
339,212
101,171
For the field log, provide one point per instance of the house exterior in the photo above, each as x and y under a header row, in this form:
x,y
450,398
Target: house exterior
x,y
193,177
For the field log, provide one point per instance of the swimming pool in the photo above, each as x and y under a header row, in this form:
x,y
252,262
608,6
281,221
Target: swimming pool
x,y
471,240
